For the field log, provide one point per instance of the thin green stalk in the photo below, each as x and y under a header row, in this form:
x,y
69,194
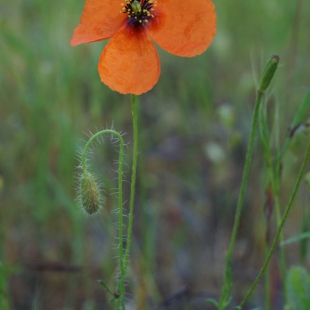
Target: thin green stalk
x,y
297,119
133,178
121,282
278,234
227,283
264,83
282,249
267,290
274,179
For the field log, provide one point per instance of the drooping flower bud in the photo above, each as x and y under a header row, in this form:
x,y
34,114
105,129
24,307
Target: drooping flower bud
x,y
90,196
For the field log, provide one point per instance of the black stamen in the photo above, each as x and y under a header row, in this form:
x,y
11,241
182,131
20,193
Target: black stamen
x,y
141,17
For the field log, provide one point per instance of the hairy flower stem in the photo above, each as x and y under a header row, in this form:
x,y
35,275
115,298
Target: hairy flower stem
x,y
121,281
278,234
227,281
133,178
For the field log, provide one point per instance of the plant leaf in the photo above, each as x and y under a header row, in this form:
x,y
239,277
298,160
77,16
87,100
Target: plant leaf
x,y
296,238
102,283
298,289
301,111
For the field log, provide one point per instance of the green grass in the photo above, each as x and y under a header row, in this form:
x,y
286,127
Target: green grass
x,y
51,96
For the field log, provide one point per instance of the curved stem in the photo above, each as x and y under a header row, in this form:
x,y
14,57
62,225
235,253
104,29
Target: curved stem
x,y
227,282
278,234
133,178
121,283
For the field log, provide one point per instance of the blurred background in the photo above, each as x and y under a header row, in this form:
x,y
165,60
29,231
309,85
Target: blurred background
x,y
194,127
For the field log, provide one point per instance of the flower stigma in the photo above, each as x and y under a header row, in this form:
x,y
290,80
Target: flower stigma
x,y
139,12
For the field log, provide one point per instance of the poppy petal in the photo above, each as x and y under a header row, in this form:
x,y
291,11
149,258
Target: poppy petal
x,y
129,63
183,28
99,21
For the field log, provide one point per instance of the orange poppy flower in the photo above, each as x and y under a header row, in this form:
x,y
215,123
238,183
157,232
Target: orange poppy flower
x,y
129,63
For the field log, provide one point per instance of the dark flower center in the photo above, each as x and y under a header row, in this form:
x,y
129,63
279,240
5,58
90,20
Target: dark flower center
x,y
139,12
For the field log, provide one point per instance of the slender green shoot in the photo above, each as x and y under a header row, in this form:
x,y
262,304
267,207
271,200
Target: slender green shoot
x,y
227,281
264,82
278,234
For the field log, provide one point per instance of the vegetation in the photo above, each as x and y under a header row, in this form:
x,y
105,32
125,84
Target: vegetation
x,y
194,128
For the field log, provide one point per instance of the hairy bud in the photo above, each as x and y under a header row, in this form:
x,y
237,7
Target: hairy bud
x,y
90,196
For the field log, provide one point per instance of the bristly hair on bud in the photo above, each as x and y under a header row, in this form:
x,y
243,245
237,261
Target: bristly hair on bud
x,y
89,197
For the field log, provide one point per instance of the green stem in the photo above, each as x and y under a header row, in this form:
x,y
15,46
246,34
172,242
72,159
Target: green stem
x,y
267,290
273,170
282,249
121,283
133,178
278,234
226,288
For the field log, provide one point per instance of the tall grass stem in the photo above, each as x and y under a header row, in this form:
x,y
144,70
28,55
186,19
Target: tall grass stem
x,y
227,282
278,234
264,82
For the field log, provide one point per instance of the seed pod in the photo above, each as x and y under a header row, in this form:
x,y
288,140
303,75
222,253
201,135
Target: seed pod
x,y
268,73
